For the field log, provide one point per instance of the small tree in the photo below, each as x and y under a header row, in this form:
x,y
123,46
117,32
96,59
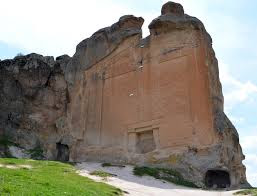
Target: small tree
x,y
19,54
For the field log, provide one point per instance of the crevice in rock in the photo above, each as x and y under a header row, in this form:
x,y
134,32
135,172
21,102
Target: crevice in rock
x,y
47,84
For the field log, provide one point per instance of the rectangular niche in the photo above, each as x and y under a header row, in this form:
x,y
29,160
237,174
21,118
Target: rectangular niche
x,y
145,142
143,137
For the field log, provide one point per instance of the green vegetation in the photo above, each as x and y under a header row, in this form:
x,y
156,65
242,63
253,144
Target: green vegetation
x,y
164,174
31,177
19,54
106,165
111,165
102,174
4,141
36,153
252,192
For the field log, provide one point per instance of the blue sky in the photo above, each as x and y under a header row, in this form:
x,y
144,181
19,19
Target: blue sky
x,y
56,27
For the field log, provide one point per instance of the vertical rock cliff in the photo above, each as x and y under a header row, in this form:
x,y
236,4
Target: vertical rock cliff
x,y
155,101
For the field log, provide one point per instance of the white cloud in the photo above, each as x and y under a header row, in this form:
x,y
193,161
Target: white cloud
x,y
235,91
56,27
251,165
252,158
225,24
250,143
252,178
249,146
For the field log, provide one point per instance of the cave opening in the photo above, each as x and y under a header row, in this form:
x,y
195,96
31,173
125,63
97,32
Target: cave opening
x,y
217,179
63,152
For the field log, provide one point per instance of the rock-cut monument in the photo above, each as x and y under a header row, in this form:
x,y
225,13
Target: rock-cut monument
x,y
121,98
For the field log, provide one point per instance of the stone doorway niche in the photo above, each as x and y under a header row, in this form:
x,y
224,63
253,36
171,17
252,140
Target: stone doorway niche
x,y
143,137
63,152
217,179
145,142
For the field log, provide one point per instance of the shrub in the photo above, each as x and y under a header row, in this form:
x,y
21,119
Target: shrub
x,y
169,175
102,174
36,153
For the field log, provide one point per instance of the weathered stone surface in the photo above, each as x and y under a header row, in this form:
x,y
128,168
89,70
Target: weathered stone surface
x,y
101,44
172,8
155,101
33,95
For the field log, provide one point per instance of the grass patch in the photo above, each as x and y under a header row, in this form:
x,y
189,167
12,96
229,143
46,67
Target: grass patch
x,y
164,174
111,165
102,174
48,178
251,191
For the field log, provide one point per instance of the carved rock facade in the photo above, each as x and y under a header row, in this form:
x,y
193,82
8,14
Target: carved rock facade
x,y
155,101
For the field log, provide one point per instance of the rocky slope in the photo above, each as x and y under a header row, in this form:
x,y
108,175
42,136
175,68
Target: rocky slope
x,y
121,98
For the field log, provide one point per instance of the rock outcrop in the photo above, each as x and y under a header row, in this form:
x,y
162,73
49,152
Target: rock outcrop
x,y
33,95
155,101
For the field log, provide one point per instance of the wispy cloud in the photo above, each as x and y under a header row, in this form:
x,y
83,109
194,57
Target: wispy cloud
x,y
235,91
56,27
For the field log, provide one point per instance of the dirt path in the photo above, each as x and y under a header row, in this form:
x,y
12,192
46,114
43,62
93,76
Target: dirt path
x,y
142,186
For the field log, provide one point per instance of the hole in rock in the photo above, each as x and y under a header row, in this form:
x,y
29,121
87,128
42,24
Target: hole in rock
x,y
63,152
217,179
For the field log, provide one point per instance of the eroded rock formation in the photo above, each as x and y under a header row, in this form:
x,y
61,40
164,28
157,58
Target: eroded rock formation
x,y
155,101
33,94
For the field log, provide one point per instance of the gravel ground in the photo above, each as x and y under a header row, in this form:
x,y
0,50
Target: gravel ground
x,y
142,186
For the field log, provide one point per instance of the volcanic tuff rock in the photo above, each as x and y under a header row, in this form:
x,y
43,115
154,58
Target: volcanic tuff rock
x,y
33,94
155,101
